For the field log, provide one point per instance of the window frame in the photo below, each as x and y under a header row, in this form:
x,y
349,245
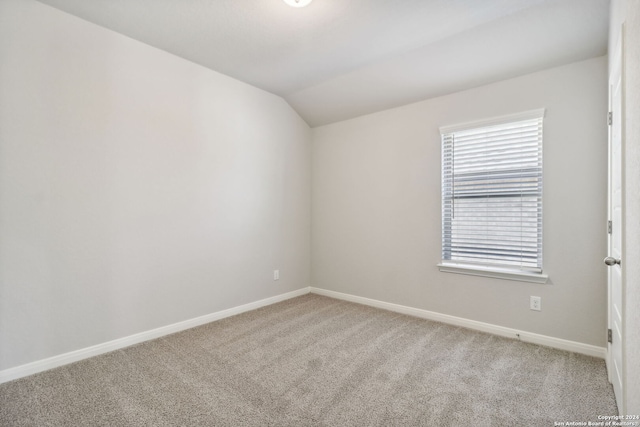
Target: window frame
x,y
468,268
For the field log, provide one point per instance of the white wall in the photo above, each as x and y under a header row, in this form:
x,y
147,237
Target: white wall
x,y
628,12
136,189
376,205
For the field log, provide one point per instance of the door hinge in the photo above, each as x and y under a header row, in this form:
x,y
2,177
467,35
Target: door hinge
x,y
610,118
609,336
609,227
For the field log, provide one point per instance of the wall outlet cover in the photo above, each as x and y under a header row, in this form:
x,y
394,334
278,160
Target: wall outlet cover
x,y
535,303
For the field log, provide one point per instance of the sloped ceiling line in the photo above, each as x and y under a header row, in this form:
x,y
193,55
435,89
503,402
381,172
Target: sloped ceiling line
x,y
336,59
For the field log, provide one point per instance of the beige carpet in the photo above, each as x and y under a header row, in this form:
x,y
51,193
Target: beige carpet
x,y
317,361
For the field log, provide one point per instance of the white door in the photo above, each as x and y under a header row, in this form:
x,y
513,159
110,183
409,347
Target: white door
x,y
615,262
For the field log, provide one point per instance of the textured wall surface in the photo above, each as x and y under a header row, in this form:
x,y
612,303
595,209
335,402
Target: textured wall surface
x,y
137,189
376,205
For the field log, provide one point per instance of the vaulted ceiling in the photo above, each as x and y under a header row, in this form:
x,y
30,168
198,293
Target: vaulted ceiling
x,y
338,59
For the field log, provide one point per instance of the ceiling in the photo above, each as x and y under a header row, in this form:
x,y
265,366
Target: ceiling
x,y
338,59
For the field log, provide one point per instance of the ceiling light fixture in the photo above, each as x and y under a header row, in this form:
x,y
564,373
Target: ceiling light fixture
x,y
297,3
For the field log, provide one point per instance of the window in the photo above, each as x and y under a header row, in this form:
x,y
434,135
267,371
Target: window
x,y
492,197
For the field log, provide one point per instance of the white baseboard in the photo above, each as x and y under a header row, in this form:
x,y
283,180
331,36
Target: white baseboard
x,y
84,353
74,356
573,346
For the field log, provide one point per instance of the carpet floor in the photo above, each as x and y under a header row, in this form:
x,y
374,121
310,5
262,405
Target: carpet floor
x,y
317,361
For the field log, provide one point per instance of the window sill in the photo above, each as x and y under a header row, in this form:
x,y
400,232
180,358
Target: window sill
x,y
495,273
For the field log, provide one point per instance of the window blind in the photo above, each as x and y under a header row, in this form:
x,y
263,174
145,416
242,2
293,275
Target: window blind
x,y
492,195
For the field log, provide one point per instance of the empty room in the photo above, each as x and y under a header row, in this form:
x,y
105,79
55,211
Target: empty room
x,y
319,212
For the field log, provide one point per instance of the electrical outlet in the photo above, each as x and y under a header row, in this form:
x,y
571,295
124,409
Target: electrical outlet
x,y
535,303
276,274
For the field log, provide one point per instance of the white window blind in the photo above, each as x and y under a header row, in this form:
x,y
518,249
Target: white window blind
x,y
492,194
